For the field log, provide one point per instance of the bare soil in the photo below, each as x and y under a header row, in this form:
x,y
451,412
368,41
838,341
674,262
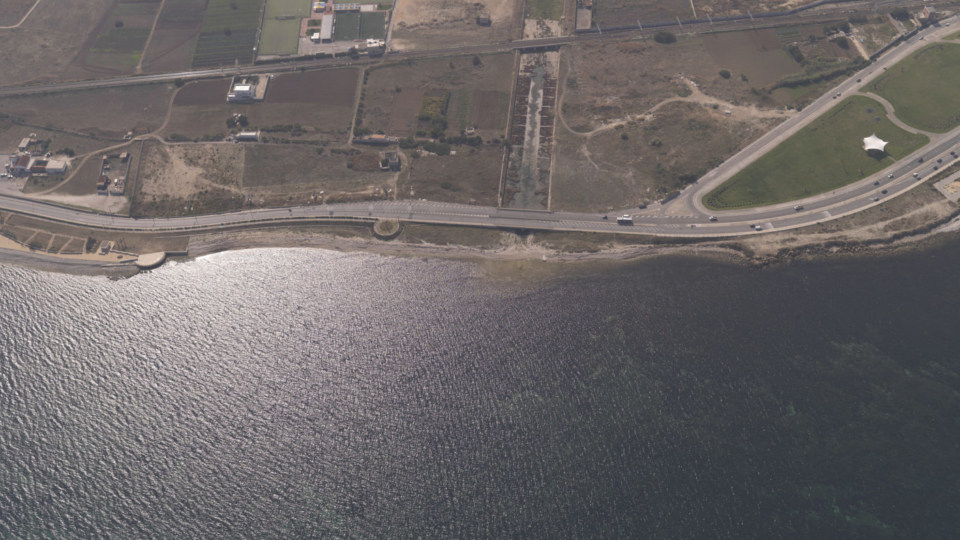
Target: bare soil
x,y
396,112
44,46
432,24
181,171
663,152
275,172
107,113
472,176
12,11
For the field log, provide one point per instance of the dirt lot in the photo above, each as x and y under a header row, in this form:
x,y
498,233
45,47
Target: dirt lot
x,y
877,32
663,153
320,101
49,38
431,24
171,48
608,81
105,112
469,177
14,10
623,12
288,169
480,94
758,54
181,171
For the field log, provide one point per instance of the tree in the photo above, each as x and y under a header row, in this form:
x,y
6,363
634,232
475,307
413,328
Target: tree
x,y
664,37
477,62
179,82
624,136
842,42
118,23
900,13
243,122
725,74
744,78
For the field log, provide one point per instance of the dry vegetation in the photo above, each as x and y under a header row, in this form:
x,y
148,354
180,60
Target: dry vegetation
x,y
104,112
433,24
472,99
472,176
43,47
662,153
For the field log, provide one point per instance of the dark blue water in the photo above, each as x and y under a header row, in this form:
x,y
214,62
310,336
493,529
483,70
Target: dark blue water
x,y
311,394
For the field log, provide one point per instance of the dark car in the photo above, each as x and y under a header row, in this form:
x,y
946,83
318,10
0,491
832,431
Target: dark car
x,y
884,192
920,160
935,167
940,160
877,183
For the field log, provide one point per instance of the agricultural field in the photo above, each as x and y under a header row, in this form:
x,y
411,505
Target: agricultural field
x,y
51,38
13,11
825,155
659,155
924,88
472,176
108,113
474,95
120,39
228,33
433,24
175,37
281,26
320,101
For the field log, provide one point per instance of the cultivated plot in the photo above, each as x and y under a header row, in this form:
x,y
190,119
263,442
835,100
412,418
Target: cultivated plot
x,y
472,176
175,36
321,102
924,88
474,95
825,155
228,33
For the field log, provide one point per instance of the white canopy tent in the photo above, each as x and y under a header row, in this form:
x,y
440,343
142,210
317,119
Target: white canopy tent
x,y
873,143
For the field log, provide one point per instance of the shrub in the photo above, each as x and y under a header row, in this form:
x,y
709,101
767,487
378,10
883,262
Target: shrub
x,y
795,52
624,136
656,142
842,42
319,151
176,137
66,152
744,78
476,61
900,13
725,74
664,37
415,154
179,82
118,23
440,149
445,185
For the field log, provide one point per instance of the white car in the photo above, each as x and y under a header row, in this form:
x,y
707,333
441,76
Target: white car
x,y
890,175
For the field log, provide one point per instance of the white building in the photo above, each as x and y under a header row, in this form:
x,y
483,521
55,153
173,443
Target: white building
x,y
241,92
252,136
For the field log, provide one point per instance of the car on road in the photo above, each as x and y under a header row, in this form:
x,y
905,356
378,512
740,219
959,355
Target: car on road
x,y
875,199
876,183
889,176
935,167
604,217
625,219
758,228
884,192
713,218
858,80
939,160
798,208
916,175
920,160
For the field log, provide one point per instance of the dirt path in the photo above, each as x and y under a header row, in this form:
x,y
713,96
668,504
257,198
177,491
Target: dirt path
x,y
139,68
24,19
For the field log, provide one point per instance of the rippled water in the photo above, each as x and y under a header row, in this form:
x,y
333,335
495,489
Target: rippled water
x,y
304,393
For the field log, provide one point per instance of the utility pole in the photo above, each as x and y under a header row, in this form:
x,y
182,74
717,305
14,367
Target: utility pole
x,y
751,20
598,27
681,25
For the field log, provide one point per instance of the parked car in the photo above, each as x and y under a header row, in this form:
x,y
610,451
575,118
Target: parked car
x,y
798,208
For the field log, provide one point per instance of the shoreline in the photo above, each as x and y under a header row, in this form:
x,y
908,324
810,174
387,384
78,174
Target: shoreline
x,y
725,250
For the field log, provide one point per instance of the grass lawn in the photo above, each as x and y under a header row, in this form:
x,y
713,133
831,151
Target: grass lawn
x,y
544,9
825,155
281,26
924,88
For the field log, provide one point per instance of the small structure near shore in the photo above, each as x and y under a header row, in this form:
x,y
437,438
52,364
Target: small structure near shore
x,y
150,260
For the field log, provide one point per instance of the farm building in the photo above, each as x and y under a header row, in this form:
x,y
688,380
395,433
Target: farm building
x,y
102,184
315,37
252,136
326,28
241,93
24,144
21,164
379,140
56,166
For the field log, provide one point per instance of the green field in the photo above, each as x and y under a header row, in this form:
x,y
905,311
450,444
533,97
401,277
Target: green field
x,y
281,26
825,155
346,26
228,33
544,9
372,25
926,93
118,47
